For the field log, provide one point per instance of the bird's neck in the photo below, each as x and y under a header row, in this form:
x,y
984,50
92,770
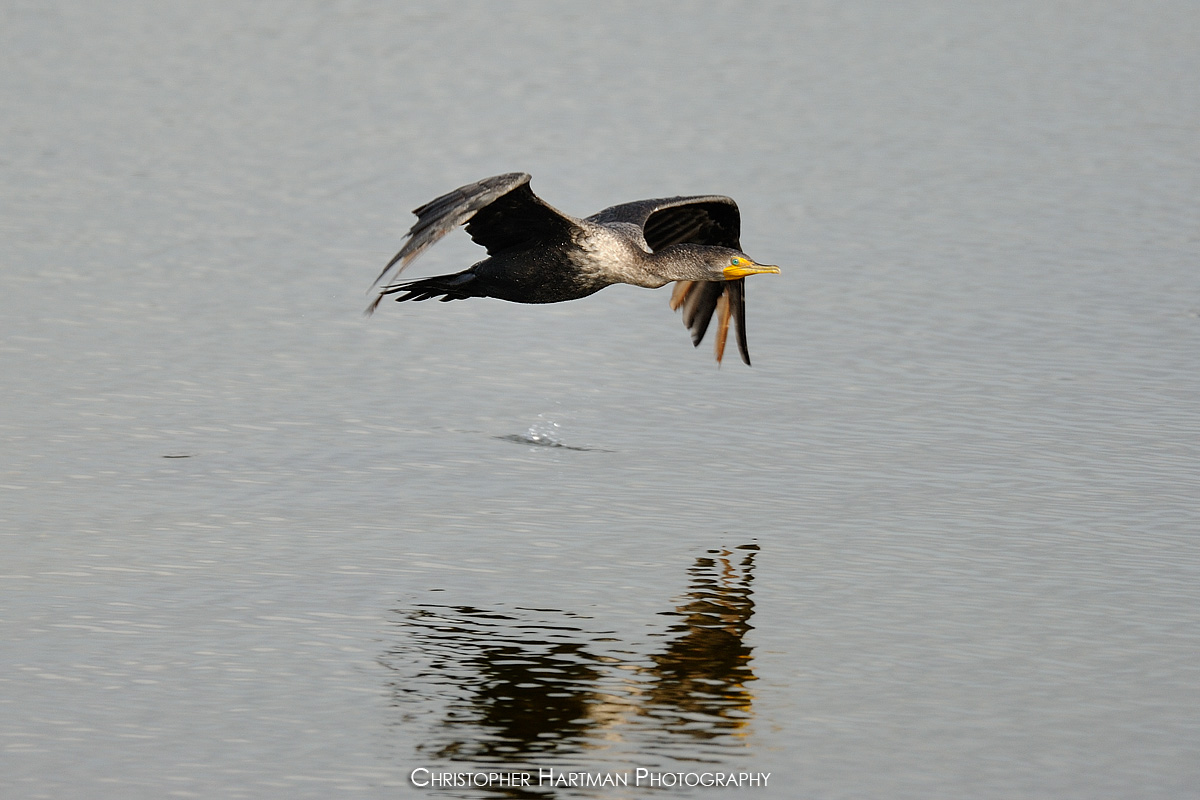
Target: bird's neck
x,y
678,262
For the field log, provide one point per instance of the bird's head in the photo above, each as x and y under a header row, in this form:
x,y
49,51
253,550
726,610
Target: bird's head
x,y
739,265
702,262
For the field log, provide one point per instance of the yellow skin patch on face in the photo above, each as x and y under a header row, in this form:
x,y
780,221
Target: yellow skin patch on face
x,y
741,267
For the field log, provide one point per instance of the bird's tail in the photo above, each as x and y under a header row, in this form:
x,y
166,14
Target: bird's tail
x,y
443,287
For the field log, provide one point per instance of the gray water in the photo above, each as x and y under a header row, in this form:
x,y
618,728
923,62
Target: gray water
x,y
940,541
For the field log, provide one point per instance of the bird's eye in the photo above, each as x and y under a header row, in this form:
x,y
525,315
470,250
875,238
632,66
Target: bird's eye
x,y
735,261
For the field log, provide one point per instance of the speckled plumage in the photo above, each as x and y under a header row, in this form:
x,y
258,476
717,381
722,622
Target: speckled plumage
x,y
537,254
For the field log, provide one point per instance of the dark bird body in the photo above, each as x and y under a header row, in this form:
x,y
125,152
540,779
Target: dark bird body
x,y
537,254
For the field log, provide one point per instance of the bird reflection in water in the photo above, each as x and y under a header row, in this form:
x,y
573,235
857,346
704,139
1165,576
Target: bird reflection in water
x,y
542,685
517,687
699,681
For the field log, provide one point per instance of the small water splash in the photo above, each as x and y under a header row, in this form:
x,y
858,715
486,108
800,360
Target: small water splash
x,y
545,433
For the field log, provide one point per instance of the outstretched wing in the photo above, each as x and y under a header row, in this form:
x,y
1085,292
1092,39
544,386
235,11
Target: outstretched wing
x,y
708,219
500,213
519,219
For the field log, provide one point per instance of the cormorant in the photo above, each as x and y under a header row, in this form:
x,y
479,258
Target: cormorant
x,y
537,254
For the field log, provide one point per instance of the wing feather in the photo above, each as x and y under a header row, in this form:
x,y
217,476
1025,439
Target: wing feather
x,y
443,214
736,290
722,326
500,212
699,306
519,219
680,293
703,219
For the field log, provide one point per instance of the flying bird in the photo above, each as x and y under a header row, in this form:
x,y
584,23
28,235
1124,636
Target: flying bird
x,y
537,254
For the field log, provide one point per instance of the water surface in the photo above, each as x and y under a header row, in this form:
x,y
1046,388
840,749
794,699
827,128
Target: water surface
x,y
940,541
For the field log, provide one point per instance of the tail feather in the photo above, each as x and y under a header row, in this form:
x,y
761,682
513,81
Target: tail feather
x,y
443,287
